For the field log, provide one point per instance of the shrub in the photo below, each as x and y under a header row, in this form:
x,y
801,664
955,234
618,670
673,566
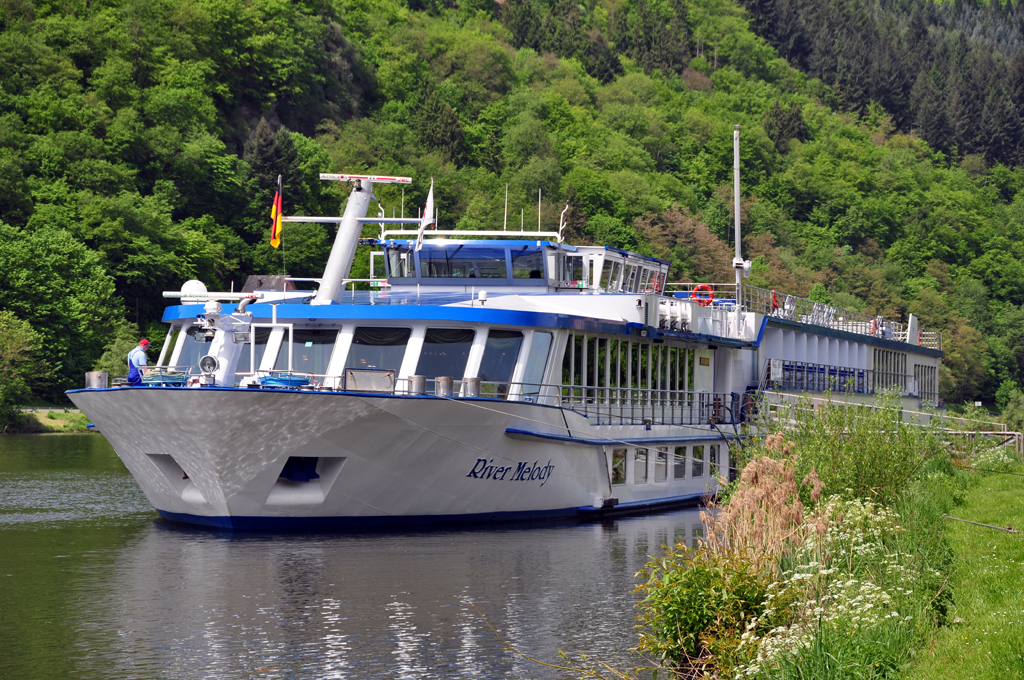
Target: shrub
x,y
859,450
696,605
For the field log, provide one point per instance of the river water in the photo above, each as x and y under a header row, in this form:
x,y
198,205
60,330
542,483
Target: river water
x,y
94,585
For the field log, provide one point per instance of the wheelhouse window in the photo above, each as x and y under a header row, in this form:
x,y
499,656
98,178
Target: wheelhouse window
x,y
572,274
527,262
499,361
463,262
378,347
401,263
445,352
610,275
629,283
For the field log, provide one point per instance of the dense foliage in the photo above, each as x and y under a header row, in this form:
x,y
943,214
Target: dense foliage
x,y
140,144
952,71
806,576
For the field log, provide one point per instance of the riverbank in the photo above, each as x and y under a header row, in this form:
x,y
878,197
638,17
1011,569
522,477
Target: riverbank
x,y
44,421
832,557
985,634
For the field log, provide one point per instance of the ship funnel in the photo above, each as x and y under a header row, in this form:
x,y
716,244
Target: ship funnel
x,y
350,228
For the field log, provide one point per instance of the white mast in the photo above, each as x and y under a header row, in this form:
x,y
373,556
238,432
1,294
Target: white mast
x,y
350,228
737,261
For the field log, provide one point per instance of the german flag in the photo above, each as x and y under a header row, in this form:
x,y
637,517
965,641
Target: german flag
x,y
275,217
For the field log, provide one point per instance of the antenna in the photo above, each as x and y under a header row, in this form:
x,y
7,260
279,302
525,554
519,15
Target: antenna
x,y
505,218
737,261
561,221
538,209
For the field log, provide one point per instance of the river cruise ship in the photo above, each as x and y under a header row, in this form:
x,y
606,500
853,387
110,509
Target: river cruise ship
x,y
489,377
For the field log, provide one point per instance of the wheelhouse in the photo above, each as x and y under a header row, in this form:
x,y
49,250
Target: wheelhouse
x,y
505,266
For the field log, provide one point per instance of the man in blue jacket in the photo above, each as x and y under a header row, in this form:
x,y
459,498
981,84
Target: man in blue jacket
x,y
137,360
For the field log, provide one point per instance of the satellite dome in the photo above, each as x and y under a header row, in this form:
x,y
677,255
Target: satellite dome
x,y
194,290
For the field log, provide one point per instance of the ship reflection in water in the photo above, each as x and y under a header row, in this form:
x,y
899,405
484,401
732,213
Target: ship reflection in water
x,y
192,604
93,586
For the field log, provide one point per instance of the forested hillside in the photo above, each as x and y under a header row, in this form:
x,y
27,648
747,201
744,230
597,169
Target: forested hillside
x,y
140,141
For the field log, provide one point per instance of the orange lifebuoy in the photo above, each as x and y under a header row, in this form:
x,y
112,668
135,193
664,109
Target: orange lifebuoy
x,y
701,300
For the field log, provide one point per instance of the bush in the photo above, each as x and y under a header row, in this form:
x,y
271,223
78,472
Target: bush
x,y
696,605
861,451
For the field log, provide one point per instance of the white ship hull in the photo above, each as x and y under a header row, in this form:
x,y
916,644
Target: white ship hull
x,y
213,456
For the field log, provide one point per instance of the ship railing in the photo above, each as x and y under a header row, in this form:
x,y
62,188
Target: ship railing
x,y
793,308
601,405
722,294
800,376
631,406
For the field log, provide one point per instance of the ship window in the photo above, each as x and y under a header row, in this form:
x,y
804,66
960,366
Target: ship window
x,y
572,271
679,463
281,361
499,360
661,465
401,263
378,347
698,462
713,460
194,349
445,352
629,283
311,351
462,262
527,262
640,466
618,466
262,335
536,363
609,274
644,281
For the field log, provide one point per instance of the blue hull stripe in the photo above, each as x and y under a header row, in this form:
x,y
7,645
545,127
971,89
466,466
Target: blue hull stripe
x,y
643,506
314,524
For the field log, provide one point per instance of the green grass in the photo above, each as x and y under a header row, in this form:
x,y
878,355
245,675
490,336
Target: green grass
x,y
985,634
41,422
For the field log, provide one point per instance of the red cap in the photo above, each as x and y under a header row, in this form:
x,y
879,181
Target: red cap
x,y
144,342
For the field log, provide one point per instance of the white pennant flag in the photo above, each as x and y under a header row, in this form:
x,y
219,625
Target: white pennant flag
x,y
428,216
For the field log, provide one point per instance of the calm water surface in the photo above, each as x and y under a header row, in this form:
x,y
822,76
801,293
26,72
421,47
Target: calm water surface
x,y
94,585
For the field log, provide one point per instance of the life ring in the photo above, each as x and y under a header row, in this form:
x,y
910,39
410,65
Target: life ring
x,y
701,300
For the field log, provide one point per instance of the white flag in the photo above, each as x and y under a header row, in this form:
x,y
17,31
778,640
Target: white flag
x,y
428,216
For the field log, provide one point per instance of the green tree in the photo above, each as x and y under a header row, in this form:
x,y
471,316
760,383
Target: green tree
x,y
65,295
20,366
